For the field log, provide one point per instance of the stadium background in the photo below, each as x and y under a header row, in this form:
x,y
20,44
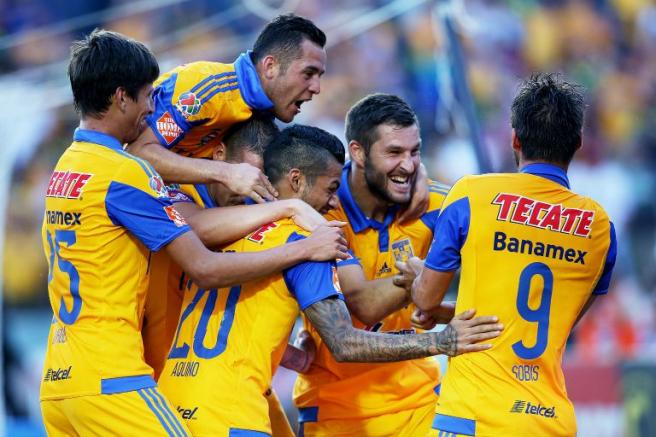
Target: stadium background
x,y
401,47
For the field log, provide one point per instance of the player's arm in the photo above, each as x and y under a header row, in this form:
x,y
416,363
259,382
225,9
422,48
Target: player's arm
x,y
370,300
429,289
347,344
213,270
215,226
243,179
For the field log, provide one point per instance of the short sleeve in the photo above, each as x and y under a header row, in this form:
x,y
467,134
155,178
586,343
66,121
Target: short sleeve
x,y
451,230
166,121
144,208
351,260
604,281
311,282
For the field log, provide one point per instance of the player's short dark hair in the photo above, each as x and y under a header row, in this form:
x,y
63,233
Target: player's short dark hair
x,y
306,148
103,62
547,115
252,135
374,110
283,37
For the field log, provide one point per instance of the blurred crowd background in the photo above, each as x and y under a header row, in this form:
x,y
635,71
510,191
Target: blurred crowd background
x,y
400,47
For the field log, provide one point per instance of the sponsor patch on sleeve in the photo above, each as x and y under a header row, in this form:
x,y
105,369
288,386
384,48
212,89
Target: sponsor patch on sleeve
x,y
168,128
175,216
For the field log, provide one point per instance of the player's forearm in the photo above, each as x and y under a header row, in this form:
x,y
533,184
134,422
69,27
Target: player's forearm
x,y
374,300
216,226
429,288
347,344
174,168
228,269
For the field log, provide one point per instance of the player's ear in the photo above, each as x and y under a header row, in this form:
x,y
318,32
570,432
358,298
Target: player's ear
x,y
120,98
295,180
517,147
357,153
270,67
219,153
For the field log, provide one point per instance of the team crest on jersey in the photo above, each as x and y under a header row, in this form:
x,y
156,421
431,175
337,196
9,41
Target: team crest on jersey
x,y
67,184
259,235
188,104
175,216
168,128
523,210
402,250
157,184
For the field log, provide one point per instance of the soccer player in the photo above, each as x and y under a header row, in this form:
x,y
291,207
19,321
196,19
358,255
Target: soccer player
x,y
105,212
392,399
196,103
229,341
531,251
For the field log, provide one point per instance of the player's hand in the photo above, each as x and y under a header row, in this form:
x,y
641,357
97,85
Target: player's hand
x,y
246,180
420,197
305,342
465,332
305,216
422,320
408,271
327,242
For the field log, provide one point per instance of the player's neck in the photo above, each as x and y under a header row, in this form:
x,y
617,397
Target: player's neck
x,y
371,205
102,125
525,162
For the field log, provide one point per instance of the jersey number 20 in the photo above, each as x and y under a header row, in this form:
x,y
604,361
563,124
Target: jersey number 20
x,y
539,315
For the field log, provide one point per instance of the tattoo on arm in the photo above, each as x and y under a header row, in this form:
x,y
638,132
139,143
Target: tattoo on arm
x,y
348,344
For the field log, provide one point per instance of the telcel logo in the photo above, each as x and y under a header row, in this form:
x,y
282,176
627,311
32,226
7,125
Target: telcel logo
x,y
58,374
187,413
536,410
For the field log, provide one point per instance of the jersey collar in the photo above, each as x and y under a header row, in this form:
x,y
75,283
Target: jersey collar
x,y
92,136
358,221
249,84
205,196
549,171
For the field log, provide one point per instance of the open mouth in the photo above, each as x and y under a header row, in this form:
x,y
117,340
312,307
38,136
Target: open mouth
x,y
298,104
401,181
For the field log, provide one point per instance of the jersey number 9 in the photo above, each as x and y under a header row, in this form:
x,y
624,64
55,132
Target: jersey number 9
x,y
539,315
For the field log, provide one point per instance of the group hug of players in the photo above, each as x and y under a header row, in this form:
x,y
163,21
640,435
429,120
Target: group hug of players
x,y
174,300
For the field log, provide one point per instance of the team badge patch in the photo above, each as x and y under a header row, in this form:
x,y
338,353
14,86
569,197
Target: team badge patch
x,y
188,104
157,184
175,216
168,128
402,250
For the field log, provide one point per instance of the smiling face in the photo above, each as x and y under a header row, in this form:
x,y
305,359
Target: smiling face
x,y
321,194
136,112
392,163
288,89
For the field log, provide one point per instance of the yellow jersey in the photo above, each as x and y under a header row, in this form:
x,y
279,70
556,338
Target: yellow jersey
x,y
229,341
105,212
532,252
166,288
196,103
333,390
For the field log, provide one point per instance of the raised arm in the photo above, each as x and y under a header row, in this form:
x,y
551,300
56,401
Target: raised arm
x,y
215,226
212,270
347,344
243,179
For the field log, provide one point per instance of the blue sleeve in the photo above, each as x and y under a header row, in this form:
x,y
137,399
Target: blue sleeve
x,y
451,230
166,121
430,219
352,259
604,280
310,282
153,220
